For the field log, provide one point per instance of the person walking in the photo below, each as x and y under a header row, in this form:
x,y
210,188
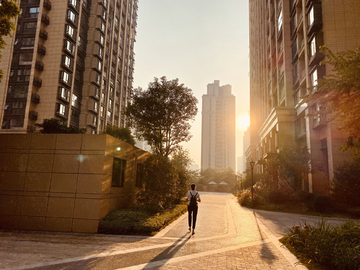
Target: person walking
x,y
193,197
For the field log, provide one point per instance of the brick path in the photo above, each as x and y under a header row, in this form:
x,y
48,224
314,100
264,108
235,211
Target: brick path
x,y
227,237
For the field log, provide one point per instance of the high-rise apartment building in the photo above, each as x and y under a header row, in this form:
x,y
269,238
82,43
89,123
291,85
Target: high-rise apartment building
x,y
72,60
218,128
285,36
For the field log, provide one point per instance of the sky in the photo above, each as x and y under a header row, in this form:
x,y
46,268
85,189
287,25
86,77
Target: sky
x,y
196,41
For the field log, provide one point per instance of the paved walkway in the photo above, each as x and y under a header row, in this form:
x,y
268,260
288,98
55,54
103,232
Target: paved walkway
x,y
227,237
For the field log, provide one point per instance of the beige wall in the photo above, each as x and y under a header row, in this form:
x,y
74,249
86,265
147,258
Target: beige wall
x,y
62,182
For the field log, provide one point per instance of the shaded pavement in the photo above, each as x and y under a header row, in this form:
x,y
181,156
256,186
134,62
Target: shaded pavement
x,y
227,236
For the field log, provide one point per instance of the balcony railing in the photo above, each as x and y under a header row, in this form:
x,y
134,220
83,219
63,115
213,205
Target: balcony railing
x,y
47,4
35,98
33,115
43,34
41,49
37,82
45,19
39,65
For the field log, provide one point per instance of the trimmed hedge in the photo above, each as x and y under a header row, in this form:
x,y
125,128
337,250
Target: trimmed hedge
x,y
139,220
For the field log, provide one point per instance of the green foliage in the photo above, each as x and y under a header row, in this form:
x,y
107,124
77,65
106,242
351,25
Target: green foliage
x,y
8,11
291,164
333,247
339,92
57,126
161,114
139,220
182,161
347,183
323,204
120,133
160,182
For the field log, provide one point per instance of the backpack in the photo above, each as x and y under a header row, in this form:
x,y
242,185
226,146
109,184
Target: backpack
x,y
193,201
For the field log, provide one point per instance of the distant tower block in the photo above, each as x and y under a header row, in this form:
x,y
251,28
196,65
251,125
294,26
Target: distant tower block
x,y
218,128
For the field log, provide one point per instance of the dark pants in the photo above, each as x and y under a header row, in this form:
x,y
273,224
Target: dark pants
x,y
192,210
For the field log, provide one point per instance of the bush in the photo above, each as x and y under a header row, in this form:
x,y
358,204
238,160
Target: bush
x,y
278,196
139,220
245,199
347,183
323,204
332,247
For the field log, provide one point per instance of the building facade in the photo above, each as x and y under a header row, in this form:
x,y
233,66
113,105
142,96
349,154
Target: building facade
x,y
71,60
218,128
285,36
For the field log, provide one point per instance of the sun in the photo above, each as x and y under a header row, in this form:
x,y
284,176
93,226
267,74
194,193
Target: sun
x,y
243,121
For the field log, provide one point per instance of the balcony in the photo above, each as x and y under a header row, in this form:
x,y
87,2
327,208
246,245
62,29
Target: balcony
x,y
43,34
45,19
39,65
319,120
35,98
47,4
41,49
33,115
37,82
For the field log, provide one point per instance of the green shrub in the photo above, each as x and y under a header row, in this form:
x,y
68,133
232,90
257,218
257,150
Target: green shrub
x,y
332,247
139,220
323,204
245,199
278,196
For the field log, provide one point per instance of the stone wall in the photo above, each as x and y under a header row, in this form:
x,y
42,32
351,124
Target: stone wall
x,y
63,182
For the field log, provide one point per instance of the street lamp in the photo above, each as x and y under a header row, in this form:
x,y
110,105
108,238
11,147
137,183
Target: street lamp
x,y
252,163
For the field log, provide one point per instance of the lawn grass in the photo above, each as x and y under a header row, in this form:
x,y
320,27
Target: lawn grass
x,y
139,220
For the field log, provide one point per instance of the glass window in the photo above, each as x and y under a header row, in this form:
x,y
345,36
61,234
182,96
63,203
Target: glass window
x,y
25,58
96,91
69,46
314,78
118,172
94,120
62,109
101,52
74,101
67,61
96,106
280,21
30,25
70,30
311,16
71,16
34,12
64,77
103,97
102,111
101,39
99,65
313,46
103,27
72,3
64,93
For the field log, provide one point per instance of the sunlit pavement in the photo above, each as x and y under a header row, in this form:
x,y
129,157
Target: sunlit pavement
x,y
226,237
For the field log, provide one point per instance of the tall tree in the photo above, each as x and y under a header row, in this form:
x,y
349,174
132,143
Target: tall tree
x,y
120,133
161,114
8,11
339,92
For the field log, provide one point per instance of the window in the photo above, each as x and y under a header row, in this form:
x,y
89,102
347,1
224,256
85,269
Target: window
x,y
74,101
30,25
280,21
314,78
102,27
102,111
27,43
110,104
311,16
96,106
65,77
313,46
96,91
118,172
104,85
61,109
97,78
116,22
103,97
70,31
25,58
33,12
94,120
71,16
101,39
99,65
64,93
72,3
104,15
69,46
67,61
23,75
101,52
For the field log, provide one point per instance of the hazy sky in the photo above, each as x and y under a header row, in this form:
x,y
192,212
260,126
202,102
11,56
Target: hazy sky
x,y
196,41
